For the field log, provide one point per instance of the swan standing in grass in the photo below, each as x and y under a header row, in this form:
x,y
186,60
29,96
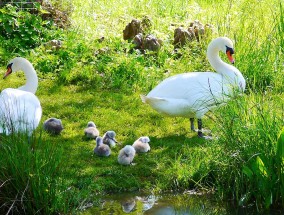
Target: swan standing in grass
x,y
126,155
193,94
53,126
142,144
101,149
20,109
91,131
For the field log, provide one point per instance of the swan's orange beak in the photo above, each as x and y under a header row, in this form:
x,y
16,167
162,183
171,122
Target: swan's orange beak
x,y
230,57
9,71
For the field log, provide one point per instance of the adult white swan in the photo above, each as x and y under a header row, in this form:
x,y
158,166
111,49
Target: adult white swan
x,y
193,94
20,109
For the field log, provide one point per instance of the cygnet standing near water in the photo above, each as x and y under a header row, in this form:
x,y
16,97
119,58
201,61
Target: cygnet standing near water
x,y
91,131
109,138
126,155
142,144
53,126
101,149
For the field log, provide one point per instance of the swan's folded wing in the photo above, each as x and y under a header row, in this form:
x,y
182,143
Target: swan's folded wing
x,y
149,100
170,106
19,110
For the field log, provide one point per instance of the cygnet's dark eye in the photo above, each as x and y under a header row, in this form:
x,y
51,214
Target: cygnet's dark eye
x,y
9,66
228,49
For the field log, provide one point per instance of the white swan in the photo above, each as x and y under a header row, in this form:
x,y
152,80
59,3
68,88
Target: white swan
x,y
193,94
20,109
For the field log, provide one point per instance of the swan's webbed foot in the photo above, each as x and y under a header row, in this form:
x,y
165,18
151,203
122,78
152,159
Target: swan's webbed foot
x,y
199,130
200,133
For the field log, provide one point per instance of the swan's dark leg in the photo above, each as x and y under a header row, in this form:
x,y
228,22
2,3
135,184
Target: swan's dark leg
x,y
192,124
199,122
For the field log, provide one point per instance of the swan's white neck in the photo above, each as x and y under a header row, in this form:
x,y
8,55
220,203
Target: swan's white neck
x,y
31,77
231,73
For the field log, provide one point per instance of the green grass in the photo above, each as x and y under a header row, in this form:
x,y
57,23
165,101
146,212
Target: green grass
x,y
31,177
80,83
249,159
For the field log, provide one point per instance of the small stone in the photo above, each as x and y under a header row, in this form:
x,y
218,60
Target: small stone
x,y
132,29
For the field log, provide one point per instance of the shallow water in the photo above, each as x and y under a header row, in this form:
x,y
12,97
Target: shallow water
x,y
167,204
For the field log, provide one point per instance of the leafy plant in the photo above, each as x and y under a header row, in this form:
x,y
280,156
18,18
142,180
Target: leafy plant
x,y
279,164
250,151
22,30
267,174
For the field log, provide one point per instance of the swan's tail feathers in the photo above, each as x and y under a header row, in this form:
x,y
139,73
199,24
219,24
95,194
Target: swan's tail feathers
x,y
151,100
143,98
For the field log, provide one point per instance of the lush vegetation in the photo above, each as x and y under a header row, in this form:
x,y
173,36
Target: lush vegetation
x,y
90,78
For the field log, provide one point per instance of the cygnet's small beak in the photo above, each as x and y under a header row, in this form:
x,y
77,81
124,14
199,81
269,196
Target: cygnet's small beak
x,y
230,57
9,71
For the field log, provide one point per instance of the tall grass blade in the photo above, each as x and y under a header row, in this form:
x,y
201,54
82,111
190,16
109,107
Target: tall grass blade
x,y
280,162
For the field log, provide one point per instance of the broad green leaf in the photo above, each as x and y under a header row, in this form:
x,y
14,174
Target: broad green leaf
x,y
280,146
8,28
261,166
268,200
247,171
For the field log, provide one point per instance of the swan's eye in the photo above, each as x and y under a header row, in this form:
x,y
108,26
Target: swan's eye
x,y
228,49
9,66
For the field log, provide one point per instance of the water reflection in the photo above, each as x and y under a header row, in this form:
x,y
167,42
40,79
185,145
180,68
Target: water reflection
x,y
166,204
171,204
144,203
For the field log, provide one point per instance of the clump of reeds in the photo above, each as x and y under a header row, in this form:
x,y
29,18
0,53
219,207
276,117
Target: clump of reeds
x,y
248,165
31,176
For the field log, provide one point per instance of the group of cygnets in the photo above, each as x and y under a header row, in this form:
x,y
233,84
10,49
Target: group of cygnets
x,y
104,143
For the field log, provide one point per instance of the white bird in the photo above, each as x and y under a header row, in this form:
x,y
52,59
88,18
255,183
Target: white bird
x,y
20,109
91,131
101,149
109,138
142,144
193,94
126,155
53,126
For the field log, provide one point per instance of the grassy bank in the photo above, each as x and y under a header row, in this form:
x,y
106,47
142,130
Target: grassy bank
x,y
79,83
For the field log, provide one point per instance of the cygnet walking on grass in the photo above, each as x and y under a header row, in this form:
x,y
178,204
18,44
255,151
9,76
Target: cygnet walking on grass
x,y
101,149
126,155
109,138
91,131
142,144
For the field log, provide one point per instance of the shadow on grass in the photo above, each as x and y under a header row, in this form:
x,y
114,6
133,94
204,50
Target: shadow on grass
x,y
172,143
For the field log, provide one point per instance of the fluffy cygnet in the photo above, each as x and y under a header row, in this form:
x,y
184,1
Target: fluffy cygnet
x,y
91,131
126,155
53,126
101,149
109,138
142,144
